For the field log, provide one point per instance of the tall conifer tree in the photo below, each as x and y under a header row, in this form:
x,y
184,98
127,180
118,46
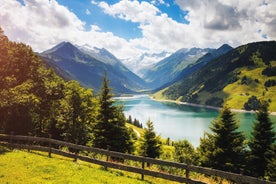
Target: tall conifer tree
x,y
110,132
224,148
151,144
261,145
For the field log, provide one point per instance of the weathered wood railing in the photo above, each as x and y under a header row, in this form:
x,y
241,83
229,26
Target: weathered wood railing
x,y
51,146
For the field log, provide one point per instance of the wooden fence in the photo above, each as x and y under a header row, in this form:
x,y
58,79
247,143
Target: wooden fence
x,y
54,146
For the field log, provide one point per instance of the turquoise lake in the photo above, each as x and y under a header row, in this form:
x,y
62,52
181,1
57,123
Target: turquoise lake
x,y
178,121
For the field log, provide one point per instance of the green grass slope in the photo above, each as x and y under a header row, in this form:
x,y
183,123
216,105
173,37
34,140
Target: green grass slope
x,y
36,167
232,78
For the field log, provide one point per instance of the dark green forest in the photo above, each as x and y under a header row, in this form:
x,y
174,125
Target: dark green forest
x,y
35,101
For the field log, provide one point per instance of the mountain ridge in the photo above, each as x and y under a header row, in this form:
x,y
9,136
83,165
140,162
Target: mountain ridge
x,y
201,62
167,69
81,66
231,78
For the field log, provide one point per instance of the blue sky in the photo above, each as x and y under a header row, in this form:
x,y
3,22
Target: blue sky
x,y
92,14
131,28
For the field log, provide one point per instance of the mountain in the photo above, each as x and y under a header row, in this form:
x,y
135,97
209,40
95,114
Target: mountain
x,y
169,68
88,66
102,55
213,54
144,61
233,78
108,58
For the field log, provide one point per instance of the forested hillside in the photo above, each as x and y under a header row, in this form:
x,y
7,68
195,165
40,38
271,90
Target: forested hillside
x,y
35,101
239,78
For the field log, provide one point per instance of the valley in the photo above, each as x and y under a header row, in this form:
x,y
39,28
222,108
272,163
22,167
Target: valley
x,y
77,105
210,77
158,86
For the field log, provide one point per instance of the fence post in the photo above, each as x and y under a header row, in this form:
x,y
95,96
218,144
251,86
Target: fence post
x,y
28,141
50,146
76,151
76,156
107,159
11,140
143,167
187,172
28,144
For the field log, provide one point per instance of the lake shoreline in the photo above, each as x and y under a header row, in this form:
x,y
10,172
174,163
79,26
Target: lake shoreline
x,y
205,106
179,122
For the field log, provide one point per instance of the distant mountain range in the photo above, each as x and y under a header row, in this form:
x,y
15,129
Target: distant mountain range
x,y
232,78
144,61
198,64
201,62
202,76
88,66
169,68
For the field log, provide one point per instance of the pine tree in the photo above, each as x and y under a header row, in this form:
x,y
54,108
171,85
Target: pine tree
x,y
110,131
129,120
151,144
261,145
224,148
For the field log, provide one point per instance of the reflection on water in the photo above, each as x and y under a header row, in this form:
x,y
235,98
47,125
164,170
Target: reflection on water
x,y
178,121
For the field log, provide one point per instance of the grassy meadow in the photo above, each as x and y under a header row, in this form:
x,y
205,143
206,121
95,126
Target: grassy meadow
x,y
36,167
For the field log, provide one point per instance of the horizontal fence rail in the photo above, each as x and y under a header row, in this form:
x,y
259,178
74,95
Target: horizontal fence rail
x,y
53,146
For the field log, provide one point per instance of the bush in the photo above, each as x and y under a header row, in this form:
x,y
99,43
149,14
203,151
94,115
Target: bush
x,y
252,104
269,71
270,83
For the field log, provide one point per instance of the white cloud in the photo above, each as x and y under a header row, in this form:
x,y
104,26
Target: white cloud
x,y
131,10
43,24
232,21
39,23
87,12
157,2
159,31
94,2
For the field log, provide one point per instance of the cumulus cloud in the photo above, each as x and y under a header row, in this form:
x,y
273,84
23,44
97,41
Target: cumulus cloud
x,y
131,10
160,32
232,21
43,24
39,23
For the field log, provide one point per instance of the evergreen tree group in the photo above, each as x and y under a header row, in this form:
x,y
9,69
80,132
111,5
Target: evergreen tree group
x,y
134,122
225,148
